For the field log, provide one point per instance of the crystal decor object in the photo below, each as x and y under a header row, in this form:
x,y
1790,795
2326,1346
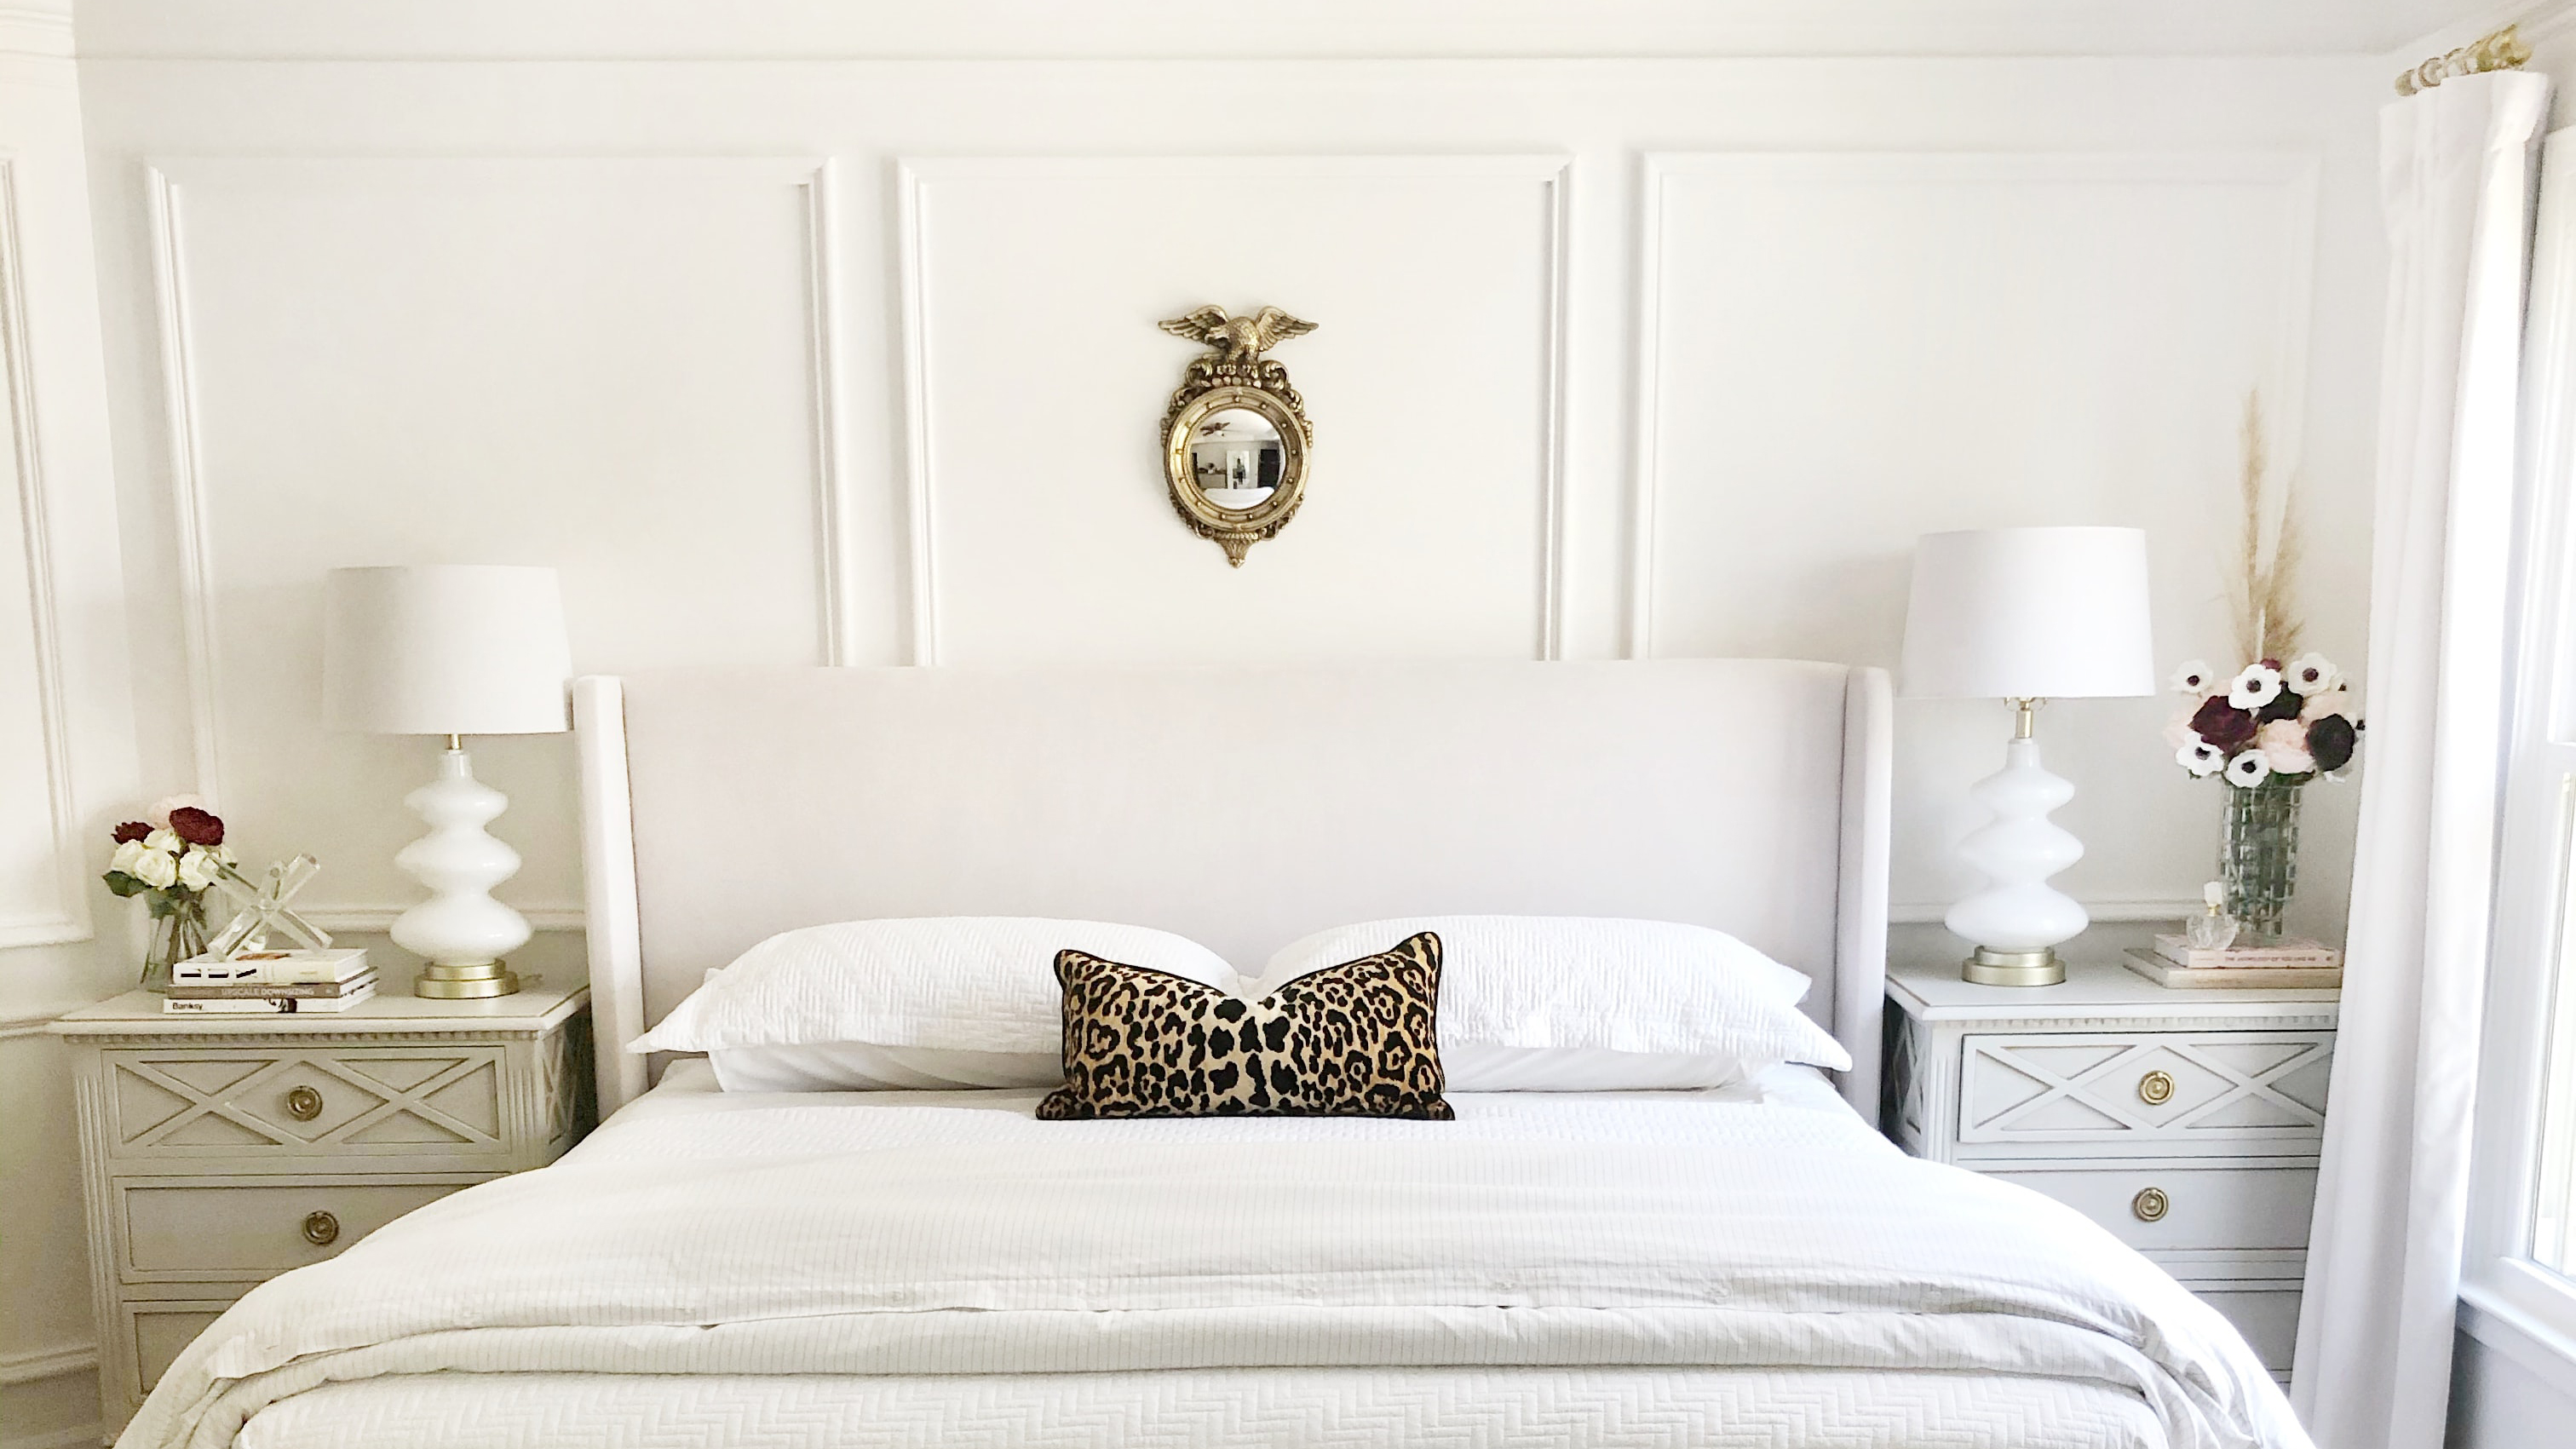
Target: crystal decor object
x,y
2260,862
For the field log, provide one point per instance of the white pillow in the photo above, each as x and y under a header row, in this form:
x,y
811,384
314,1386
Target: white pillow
x,y
978,984
857,1067
1571,1003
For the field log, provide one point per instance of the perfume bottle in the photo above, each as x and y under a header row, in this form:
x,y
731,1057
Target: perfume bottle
x,y
2213,928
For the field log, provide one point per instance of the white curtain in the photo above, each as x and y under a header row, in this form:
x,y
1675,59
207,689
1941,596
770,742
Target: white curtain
x,y
2457,168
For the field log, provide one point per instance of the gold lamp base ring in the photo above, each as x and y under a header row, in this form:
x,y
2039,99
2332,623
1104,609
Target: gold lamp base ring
x,y
1990,967
466,983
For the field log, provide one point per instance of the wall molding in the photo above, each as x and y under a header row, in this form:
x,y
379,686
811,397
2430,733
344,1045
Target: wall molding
x,y
912,180
69,920
2116,911
48,1363
164,183
380,918
79,1436
2284,384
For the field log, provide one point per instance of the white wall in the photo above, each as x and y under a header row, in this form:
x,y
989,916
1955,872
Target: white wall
x,y
67,758
852,359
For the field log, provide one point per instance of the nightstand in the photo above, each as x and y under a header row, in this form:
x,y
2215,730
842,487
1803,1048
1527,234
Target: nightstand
x,y
220,1151
2186,1121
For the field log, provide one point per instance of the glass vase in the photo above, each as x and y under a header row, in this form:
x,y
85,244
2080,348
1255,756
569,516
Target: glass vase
x,y
176,936
2260,861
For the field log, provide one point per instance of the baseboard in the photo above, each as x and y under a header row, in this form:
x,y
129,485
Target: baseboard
x,y
79,1436
47,1363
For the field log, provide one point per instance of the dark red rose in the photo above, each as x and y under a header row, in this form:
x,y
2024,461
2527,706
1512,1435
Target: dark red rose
x,y
2330,739
195,826
132,830
2222,724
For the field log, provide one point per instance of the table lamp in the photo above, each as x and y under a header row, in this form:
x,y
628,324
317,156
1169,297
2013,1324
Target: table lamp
x,y
453,650
2025,615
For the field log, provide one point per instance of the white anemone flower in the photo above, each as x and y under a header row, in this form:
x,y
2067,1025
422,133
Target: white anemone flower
x,y
158,869
198,868
2202,758
2193,676
2312,674
2255,688
2248,769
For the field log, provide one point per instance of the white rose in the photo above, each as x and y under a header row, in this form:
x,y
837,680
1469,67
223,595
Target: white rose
x,y
197,869
165,839
127,858
155,868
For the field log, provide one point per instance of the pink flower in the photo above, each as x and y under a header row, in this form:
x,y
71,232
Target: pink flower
x,y
159,814
2284,743
2337,700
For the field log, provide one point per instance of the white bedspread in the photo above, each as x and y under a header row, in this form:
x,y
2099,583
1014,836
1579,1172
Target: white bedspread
x,y
952,1234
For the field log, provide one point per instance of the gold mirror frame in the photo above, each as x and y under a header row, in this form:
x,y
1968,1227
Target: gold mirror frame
x,y
1234,375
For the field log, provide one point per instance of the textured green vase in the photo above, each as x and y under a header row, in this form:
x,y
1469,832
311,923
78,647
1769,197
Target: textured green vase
x,y
2260,860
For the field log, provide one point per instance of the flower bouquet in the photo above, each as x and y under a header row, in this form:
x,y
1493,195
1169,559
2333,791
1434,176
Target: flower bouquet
x,y
171,860
2269,729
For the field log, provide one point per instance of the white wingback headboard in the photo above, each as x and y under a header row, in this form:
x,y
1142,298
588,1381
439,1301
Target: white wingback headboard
x,y
1241,807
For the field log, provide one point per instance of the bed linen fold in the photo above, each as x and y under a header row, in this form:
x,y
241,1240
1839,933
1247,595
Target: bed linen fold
x,y
923,1238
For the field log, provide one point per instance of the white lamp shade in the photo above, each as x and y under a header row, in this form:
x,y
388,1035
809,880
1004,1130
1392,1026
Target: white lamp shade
x,y
447,649
2029,613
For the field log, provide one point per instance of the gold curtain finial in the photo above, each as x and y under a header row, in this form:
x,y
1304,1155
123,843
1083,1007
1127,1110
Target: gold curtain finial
x,y
2504,50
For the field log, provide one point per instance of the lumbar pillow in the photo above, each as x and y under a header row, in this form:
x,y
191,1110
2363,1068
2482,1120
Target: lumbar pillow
x,y
1357,1039
966,997
1588,1004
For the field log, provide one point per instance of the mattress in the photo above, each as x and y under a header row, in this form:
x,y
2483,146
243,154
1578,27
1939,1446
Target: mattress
x,y
1502,1339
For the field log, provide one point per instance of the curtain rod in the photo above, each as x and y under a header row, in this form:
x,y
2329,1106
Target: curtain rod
x,y
2503,50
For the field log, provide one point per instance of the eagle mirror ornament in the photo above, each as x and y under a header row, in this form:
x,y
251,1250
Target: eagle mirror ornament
x,y
1235,438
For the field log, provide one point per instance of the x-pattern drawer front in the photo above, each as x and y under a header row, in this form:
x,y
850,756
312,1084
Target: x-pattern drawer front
x,y
2261,1091
189,1103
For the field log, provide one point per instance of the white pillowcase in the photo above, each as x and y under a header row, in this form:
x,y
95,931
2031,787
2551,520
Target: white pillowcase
x,y
1570,1003
983,985
858,1067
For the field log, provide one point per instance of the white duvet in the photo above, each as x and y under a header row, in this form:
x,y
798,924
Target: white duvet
x,y
903,1234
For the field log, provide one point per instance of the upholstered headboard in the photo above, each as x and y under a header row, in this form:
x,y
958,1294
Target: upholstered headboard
x,y
1240,807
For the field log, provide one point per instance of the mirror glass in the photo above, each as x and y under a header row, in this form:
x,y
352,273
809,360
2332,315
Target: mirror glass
x,y
1236,458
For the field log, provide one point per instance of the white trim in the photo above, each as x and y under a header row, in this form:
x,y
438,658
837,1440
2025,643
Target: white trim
x,y
616,949
195,578
79,1436
913,176
2296,173
48,1363
2494,1320
838,587
70,918
922,557
376,918
835,506
2123,910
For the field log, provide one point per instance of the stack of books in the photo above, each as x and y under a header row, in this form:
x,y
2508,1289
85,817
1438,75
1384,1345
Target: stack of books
x,y
2293,962
270,983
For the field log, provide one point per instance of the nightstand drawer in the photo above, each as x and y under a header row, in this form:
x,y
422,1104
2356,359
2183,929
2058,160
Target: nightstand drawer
x,y
184,1103
2220,1093
159,1330
181,1231
2174,1208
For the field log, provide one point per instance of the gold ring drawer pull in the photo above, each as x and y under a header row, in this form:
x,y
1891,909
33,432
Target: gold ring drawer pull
x,y
321,1229
2150,1205
2155,1089
303,1103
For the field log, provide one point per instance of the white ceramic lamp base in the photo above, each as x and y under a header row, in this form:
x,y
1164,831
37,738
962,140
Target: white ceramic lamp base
x,y
460,930
2019,918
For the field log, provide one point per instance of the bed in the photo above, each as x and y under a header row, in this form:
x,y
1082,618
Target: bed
x,y
1747,1265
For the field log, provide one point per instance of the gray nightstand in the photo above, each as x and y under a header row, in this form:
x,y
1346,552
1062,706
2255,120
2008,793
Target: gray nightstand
x,y
2186,1121
220,1151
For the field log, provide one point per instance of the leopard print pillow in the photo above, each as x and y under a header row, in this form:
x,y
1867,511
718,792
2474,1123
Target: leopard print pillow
x,y
1356,1040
